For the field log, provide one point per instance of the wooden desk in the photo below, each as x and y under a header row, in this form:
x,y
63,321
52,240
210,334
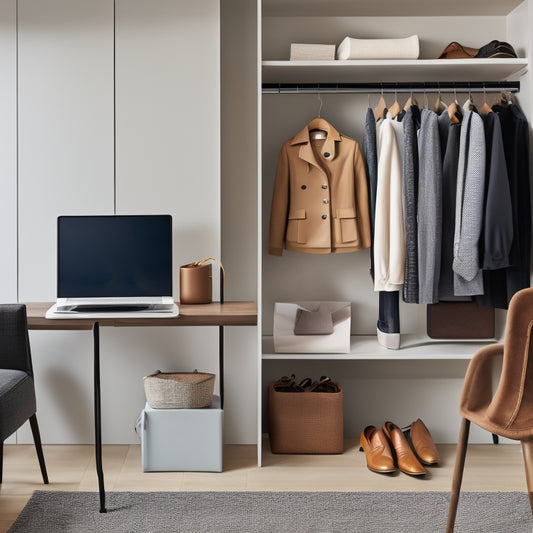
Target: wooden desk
x,y
213,314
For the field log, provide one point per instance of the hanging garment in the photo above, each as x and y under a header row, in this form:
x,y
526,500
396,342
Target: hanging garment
x,y
515,132
389,309
429,208
450,139
498,216
468,278
389,237
320,200
411,125
501,285
371,166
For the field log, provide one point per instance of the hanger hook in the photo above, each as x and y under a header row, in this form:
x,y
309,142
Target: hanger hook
x,y
321,104
484,92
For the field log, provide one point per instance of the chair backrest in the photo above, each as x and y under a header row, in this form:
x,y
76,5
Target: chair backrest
x,y
512,405
14,340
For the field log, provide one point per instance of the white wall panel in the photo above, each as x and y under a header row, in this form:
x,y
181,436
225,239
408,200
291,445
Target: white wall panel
x,y
8,151
168,118
168,161
65,161
65,127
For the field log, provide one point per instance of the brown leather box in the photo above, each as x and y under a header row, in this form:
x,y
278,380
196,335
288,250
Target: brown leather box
x,y
305,422
460,320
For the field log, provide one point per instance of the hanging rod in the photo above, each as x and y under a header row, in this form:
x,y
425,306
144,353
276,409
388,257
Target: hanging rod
x,y
391,87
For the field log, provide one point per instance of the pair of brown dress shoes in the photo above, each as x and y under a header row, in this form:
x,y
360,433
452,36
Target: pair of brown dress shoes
x,y
389,448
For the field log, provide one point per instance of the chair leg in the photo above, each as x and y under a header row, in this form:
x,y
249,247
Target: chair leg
x,y
527,452
458,474
38,447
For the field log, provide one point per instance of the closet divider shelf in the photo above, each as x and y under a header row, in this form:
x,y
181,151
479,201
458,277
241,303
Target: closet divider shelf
x,y
393,70
366,348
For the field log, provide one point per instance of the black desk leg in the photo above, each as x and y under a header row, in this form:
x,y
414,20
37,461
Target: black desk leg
x,y
221,363
98,417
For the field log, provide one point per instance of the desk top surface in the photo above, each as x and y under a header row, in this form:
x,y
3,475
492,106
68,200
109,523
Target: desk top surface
x,y
213,314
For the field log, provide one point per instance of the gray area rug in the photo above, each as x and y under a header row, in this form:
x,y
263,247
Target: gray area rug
x,y
273,512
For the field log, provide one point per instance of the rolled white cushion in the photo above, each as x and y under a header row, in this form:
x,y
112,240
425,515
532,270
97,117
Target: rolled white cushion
x,y
404,48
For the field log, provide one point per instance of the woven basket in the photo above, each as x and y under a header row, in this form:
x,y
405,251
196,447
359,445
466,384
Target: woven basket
x,y
182,390
305,422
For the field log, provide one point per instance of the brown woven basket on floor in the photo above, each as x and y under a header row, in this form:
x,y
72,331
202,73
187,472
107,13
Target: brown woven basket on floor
x,y
180,390
306,422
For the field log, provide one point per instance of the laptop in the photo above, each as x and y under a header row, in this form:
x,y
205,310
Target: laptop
x,y
114,264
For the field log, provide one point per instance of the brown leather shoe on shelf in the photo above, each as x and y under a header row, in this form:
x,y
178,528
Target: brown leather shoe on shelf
x,y
405,458
420,439
456,50
377,450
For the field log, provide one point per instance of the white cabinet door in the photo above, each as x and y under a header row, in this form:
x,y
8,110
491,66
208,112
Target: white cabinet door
x,y
65,152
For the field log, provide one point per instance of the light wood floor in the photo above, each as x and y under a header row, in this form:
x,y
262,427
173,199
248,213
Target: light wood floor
x,y
72,468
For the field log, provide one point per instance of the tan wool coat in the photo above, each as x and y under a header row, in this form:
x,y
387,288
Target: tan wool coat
x,y
320,201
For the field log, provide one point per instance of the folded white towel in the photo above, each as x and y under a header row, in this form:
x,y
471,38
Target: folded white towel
x,y
404,48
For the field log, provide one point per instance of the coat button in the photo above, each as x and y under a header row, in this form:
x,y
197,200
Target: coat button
x,y
325,200
324,217
304,187
326,154
324,186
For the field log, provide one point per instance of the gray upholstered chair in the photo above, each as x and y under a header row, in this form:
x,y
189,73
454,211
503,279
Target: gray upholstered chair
x,y
17,390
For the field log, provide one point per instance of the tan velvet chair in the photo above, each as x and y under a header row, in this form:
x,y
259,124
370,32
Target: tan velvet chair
x,y
509,412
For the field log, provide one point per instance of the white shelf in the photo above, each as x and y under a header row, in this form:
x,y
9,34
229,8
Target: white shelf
x,y
366,348
363,8
351,71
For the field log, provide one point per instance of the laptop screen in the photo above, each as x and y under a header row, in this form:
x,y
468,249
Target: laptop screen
x,y
114,256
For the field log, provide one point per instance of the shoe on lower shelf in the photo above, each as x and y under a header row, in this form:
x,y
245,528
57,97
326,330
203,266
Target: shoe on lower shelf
x,y
405,457
420,440
377,450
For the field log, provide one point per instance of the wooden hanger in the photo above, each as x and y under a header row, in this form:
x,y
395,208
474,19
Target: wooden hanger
x,y
454,110
379,110
485,109
395,108
439,106
410,101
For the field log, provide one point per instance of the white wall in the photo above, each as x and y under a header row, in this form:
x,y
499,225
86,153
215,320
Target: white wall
x,y
167,125
8,151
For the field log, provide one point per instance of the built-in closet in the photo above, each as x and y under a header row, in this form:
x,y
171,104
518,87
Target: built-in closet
x,y
424,378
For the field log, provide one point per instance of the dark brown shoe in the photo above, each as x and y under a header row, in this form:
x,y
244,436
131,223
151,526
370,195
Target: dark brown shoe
x,y
422,443
377,450
405,457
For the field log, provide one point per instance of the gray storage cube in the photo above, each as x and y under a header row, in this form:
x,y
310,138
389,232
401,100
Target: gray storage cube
x,y
182,439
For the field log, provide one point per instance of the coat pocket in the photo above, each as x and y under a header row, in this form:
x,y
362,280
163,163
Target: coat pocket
x,y
347,225
296,226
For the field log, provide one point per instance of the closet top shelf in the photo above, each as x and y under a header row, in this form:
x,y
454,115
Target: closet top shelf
x,y
393,70
363,8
